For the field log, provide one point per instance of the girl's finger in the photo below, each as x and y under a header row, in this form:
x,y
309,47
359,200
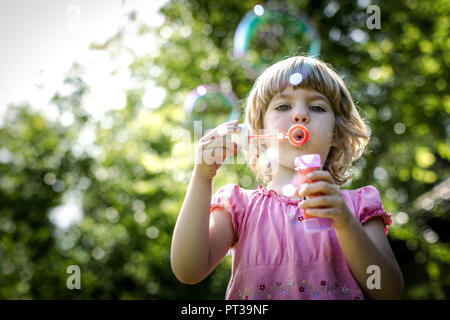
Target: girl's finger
x,y
224,130
220,131
235,121
322,212
216,155
228,145
319,186
320,201
319,175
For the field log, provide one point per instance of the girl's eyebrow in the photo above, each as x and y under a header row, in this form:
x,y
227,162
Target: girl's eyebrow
x,y
310,97
281,96
319,96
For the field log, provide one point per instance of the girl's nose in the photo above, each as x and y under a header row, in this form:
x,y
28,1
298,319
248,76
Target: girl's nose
x,y
300,117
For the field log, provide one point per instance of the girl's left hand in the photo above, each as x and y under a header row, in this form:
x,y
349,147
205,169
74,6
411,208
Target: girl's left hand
x,y
332,204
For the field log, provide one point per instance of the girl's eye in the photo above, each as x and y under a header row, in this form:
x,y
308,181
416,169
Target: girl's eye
x,y
317,108
282,107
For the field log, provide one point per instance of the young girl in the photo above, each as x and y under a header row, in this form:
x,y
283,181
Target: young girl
x,y
273,257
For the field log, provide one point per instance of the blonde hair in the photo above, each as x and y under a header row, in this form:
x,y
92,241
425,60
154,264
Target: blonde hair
x,y
350,132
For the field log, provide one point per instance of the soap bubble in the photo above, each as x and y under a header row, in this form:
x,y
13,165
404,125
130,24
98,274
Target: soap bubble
x,y
211,105
267,34
295,79
288,190
272,153
246,181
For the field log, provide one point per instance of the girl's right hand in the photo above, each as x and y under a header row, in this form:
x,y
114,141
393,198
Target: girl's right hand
x,y
213,149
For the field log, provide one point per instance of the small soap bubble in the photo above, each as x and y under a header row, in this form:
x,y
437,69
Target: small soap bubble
x,y
272,153
280,135
246,181
98,253
399,128
295,79
401,218
259,10
288,190
49,178
152,232
222,130
430,236
211,105
201,90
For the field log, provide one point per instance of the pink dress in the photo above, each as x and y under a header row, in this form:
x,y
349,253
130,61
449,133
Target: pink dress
x,y
273,258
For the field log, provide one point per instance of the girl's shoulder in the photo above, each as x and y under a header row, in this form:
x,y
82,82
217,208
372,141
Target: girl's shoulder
x,y
230,194
366,198
233,189
368,194
366,203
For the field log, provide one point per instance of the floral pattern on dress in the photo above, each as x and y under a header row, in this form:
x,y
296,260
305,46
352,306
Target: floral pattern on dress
x,y
320,290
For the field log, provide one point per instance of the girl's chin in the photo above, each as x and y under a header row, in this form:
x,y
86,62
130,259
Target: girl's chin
x,y
293,151
288,156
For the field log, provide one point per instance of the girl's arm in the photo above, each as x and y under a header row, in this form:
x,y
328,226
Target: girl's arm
x,y
366,245
201,240
363,245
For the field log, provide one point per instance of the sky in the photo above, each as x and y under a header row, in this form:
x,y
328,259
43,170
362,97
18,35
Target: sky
x,y
41,38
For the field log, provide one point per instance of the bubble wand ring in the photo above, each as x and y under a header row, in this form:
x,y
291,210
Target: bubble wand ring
x,y
297,135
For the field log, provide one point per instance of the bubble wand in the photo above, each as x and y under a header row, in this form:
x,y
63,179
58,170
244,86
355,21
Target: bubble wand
x,y
297,135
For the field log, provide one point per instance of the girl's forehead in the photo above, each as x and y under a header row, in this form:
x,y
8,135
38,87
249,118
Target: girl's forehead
x,y
291,92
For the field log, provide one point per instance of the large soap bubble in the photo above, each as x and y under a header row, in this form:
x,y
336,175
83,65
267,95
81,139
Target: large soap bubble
x,y
270,33
211,105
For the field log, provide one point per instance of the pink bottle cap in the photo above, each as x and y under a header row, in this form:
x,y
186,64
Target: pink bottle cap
x,y
307,161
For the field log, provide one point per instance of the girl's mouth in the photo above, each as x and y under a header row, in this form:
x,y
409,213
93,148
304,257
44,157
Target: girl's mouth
x,y
298,135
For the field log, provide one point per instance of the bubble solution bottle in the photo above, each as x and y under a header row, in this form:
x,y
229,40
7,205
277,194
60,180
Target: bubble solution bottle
x,y
304,165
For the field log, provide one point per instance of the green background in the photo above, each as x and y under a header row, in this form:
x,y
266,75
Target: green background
x,y
131,184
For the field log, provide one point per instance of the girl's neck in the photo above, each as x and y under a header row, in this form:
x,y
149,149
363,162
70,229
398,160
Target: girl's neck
x,y
283,177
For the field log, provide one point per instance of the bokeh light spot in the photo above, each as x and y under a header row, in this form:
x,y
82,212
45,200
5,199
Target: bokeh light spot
x,y
152,232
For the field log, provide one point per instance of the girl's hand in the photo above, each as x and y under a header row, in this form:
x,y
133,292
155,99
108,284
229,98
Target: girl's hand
x,y
213,149
332,203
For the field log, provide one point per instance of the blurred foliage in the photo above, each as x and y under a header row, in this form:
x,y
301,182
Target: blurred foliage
x,y
128,170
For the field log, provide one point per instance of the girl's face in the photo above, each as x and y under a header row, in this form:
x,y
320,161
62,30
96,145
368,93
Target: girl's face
x,y
309,108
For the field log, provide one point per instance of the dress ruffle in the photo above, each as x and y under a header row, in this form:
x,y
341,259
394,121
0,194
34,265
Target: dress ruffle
x,y
272,193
